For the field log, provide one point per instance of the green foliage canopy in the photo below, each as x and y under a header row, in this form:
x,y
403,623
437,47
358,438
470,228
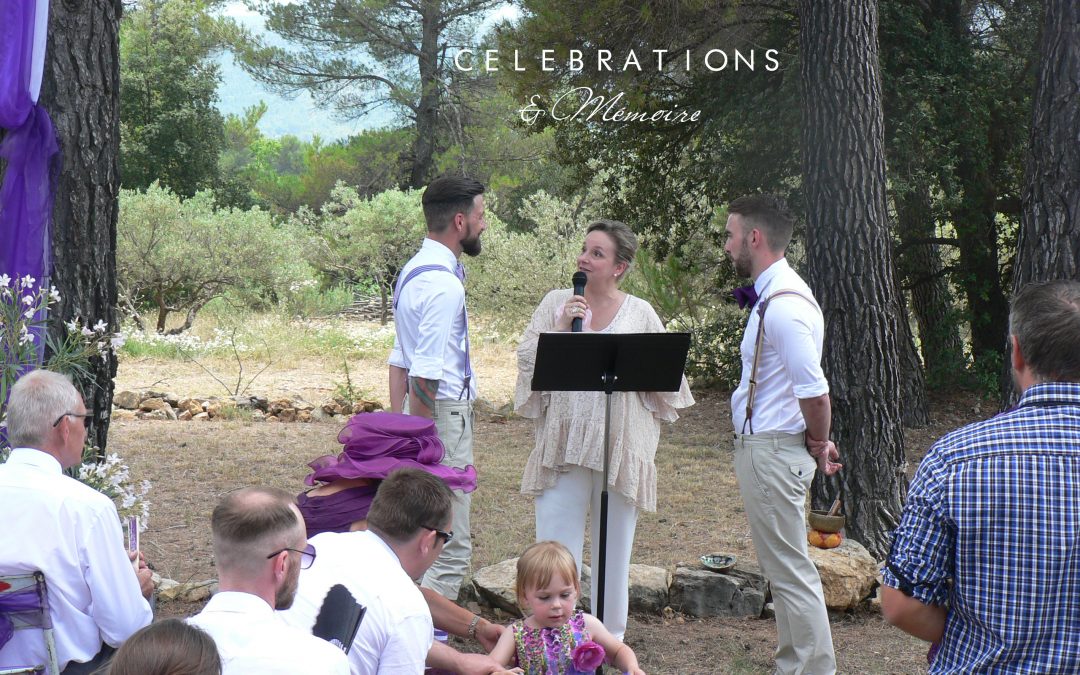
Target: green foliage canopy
x,y
170,130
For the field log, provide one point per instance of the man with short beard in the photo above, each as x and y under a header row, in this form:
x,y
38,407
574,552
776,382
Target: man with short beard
x,y
260,546
430,370
782,415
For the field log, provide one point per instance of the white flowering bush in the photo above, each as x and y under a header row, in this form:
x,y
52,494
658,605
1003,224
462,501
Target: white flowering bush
x,y
112,478
23,320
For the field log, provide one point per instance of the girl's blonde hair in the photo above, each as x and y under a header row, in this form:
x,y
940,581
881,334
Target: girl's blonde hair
x,y
539,564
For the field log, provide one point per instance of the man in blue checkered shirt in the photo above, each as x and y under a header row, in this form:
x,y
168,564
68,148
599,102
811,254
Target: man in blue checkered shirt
x,y
986,561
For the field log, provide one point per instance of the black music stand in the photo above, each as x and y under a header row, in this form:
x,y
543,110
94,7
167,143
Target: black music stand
x,y
609,362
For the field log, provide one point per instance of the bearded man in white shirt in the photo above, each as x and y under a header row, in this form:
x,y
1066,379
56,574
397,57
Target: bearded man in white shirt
x,y
260,546
65,529
782,415
430,369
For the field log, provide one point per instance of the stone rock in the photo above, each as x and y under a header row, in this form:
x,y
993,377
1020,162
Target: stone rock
x,y
154,403
649,588
213,408
128,400
258,416
192,405
302,406
163,583
318,413
188,592
346,408
303,416
243,402
275,407
702,593
260,403
494,413
153,415
123,415
170,398
184,416
272,418
201,417
331,408
170,414
287,415
495,586
364,405
848,573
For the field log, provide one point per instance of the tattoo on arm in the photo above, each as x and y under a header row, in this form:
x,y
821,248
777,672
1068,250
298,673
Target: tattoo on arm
x,y
424,391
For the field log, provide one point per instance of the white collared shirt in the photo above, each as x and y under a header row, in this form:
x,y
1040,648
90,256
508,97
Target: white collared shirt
x,y
252,638
71,532
396,633
790,365
430,323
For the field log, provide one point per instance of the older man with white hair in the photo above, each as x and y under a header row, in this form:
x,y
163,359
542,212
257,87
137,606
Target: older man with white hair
x,y
66,530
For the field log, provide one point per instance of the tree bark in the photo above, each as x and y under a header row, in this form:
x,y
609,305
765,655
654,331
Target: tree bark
x,y
427,110
81,91
1049,244
850,260
931,302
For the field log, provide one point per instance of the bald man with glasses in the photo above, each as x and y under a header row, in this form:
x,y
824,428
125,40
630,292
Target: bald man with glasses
x,y
260,546
66,530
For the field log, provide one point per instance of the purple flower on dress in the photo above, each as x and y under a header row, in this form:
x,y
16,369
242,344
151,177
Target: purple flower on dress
x,y
587,656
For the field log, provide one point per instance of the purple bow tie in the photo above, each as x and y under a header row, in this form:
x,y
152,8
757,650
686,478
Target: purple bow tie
x,y
746,295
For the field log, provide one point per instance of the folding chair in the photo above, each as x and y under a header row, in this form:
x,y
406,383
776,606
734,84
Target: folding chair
x,y
24,603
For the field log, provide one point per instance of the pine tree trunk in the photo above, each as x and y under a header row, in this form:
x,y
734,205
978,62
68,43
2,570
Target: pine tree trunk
x,y
427,111
1049,245
931,302
849,260
81,91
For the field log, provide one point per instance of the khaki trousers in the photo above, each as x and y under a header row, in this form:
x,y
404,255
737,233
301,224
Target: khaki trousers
x,y
454,422
774,472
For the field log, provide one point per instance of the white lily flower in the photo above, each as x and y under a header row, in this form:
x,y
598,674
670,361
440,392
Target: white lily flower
x,y
54,295
100,327
28,281
5,281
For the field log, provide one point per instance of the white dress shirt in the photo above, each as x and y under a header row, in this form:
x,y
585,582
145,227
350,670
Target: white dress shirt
x,y
252,638
790,365
71,532
430,325
396,633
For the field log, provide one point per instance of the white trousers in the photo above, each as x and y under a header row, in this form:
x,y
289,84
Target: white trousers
x,y
774,472
560,516
454,422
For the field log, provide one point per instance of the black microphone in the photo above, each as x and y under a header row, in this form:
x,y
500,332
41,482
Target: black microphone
x,y
579,280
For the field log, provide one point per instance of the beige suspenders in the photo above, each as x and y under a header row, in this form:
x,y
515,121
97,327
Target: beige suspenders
x,y
752,391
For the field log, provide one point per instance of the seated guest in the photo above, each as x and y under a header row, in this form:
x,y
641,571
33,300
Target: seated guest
x,y
259,549
408,524
986,561
168,647
66,530
374,445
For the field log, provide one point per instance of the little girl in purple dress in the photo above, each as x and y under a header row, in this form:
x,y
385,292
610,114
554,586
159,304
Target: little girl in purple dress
x,y
554,638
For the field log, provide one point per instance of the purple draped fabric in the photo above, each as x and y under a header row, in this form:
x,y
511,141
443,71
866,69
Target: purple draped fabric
x,y
380,442
25,601
30,149
336,512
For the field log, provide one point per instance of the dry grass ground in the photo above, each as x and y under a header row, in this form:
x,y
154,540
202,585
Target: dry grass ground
x,y
699,510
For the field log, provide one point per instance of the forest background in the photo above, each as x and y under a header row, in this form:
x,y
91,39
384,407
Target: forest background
x,y
927,147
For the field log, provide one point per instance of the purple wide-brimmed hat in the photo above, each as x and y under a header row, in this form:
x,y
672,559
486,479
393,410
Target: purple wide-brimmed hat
x,y
378,443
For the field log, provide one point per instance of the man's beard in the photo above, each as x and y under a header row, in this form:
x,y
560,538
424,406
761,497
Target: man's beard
x,y
285,595
743,266
471,247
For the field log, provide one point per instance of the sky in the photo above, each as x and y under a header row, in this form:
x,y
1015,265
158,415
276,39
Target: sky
x,y
299,116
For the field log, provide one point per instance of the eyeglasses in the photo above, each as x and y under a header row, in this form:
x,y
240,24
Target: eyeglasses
x,y
307,555
87,418
447,536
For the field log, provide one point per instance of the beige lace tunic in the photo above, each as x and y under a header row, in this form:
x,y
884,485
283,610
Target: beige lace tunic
x,y
570,424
